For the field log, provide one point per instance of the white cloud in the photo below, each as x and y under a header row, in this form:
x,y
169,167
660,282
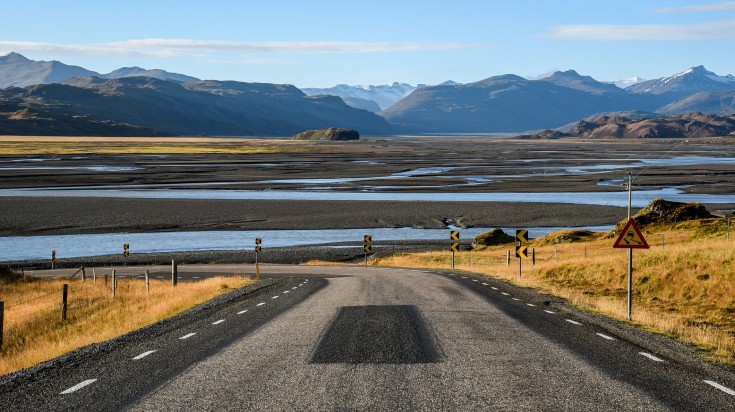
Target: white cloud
x,y
648,32
695,9
195,48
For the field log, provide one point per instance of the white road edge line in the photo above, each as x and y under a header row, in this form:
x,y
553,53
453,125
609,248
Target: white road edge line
x,y
144,354
550,312
573,322
260,304
78,386
603,336
218,322
188,335
720,387
242,311
651,357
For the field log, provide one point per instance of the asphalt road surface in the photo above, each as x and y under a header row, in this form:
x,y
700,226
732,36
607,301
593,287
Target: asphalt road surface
x,y
354,338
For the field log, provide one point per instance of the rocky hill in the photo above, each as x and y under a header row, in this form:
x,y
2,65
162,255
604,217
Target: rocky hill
x,y
330,134
694,125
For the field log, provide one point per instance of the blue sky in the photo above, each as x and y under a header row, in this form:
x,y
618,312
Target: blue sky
x,y
321,43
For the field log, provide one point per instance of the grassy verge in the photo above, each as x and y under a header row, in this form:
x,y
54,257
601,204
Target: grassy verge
x,y
684,286
142,146
34,331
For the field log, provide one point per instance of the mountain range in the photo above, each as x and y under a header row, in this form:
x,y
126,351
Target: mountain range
x,y
54,98
17,70
510,103
385,95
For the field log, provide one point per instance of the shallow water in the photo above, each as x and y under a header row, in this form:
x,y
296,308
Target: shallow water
x,y
68,246
619,198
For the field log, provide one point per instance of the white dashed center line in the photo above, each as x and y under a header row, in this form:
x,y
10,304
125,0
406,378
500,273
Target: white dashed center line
x,y
603,336
530,304
493,288
721,387
188,335
516,299
78,386
144,354
295,287
573,322
651,357
260,304
242,311
550,312
475,280
484,283
506,294
218,322
275,297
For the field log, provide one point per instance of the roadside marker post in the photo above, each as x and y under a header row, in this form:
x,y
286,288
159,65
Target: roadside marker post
x,y
454,236
64,296
630,238
2,316
114,284
258,242
367,246
174,273
521,249
53,259
126,253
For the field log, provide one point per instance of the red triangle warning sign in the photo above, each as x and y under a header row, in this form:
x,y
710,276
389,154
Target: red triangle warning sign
x,y
631,237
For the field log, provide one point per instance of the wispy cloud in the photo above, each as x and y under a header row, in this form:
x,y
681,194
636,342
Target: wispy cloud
x,y
648,32
696,9
191,47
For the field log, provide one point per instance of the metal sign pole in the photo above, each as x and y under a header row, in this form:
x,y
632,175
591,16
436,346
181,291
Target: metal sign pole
x,y
520,263
630,253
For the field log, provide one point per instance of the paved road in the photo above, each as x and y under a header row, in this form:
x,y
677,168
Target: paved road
x,y
390,339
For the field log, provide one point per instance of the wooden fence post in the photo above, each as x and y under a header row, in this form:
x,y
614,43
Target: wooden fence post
x,y
147,281
533,256
507,257
64,296
2,316
174,273
94,275
114,283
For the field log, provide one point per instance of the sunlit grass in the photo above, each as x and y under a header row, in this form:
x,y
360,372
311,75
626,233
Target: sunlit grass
x,y
139,147
35,332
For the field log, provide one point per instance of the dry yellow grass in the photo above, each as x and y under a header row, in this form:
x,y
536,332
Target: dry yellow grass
x,y
138,146
685,288
34,331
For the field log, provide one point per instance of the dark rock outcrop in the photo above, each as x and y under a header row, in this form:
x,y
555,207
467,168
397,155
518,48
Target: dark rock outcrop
x,y
492,238
331,133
